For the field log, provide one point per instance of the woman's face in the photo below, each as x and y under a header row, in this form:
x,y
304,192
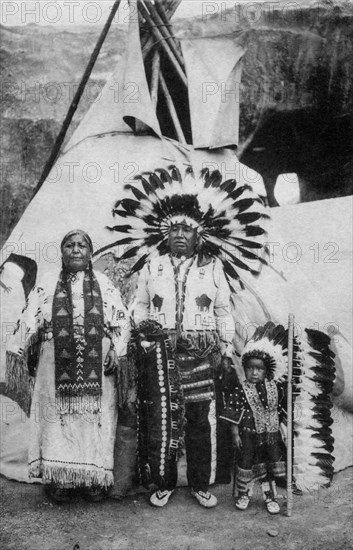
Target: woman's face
x,y
76,253
255,370
182,239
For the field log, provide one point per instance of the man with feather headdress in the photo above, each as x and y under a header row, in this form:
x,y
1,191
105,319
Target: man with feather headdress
x,y
191,235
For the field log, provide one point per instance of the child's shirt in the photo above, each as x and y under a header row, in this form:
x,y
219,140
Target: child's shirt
x,y
255,407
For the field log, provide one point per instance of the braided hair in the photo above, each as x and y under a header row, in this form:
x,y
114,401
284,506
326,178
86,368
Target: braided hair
x,y
66,272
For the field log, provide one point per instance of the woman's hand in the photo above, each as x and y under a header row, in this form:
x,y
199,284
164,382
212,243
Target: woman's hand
x,y
110,363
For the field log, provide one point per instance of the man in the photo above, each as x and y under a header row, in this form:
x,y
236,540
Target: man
x,y
190,235
191,300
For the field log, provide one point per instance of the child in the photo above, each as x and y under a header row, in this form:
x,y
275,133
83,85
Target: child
x,y
253,410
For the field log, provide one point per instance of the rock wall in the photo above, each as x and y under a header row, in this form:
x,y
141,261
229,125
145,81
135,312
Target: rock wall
x,y
296,94
296,111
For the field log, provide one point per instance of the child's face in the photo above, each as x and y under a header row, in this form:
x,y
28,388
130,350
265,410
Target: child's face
x,y
255,370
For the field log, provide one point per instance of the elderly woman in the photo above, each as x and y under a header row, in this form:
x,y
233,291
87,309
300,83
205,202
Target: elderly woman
x,y
77,323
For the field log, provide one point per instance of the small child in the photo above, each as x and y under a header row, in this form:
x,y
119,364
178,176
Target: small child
x,y
253,409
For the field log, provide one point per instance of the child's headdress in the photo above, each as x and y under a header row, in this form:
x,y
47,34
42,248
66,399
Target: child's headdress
x,y
269,344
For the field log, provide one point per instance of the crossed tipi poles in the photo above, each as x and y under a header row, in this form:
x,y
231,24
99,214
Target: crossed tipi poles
x,y
156,38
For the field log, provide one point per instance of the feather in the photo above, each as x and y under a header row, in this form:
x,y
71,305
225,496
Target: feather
x,y
238,192
155,182
148,188
189,171
120,228
130,253
176,175
244,204
228,186
254,230
164,176
139,264
250,217
130,205
138,194
214,179
204,174
121,213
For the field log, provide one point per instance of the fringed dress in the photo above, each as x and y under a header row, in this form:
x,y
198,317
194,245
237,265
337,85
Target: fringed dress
x,y
256,409
73,410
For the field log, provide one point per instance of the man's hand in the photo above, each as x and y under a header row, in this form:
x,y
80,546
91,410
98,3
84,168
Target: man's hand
x,y
110,363
226,364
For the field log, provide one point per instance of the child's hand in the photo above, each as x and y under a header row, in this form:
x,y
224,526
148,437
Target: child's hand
x,y
237,443
236,439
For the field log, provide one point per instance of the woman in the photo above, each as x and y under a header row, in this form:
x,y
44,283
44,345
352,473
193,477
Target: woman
x,y
74,322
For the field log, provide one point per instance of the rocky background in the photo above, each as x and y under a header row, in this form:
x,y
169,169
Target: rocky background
x,y
296,94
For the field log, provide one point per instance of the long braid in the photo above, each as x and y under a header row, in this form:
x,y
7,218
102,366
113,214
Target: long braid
x,y
67,286
91,282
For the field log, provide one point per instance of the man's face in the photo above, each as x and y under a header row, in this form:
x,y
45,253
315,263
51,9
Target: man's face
x,y
76,253
182,239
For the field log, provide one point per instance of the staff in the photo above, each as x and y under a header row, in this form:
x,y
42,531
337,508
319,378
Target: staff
x,y
290,415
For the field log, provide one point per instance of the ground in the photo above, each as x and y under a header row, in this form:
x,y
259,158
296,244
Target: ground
x,y
319,521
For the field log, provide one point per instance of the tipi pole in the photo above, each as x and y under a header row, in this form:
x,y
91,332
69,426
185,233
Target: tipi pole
x,y
162,14
163,43
172,110
290,415
155,78
165,32
72,109
148,42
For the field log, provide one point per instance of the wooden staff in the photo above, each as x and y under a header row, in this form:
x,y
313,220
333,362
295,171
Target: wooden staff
x,y
74,104
290,415
172,111
160,39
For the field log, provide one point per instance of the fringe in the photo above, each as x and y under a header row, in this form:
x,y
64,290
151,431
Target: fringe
x,y
18,381
73,475
126,375
80,404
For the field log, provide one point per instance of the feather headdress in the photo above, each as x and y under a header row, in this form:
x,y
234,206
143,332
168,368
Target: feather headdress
x,y
313,376
227,218
269,343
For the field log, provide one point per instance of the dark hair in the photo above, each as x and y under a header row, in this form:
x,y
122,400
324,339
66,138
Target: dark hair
x,y
83,234
65,279
267,360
